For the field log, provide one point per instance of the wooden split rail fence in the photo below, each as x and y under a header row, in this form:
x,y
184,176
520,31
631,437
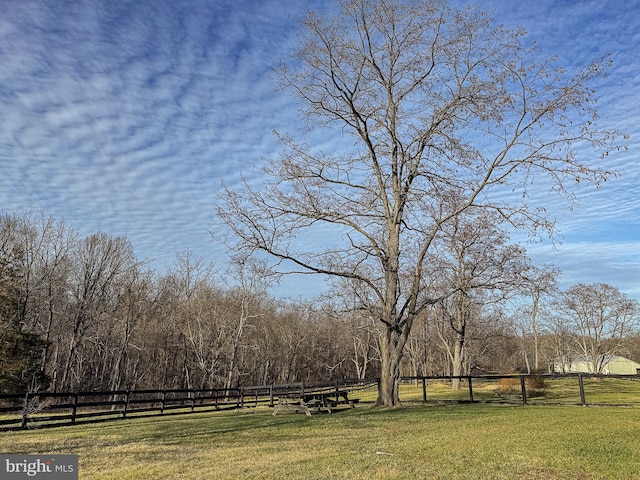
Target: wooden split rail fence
x,y
44,409
540,389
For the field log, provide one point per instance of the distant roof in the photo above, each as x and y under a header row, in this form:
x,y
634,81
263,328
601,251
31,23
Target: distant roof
x,y
606,359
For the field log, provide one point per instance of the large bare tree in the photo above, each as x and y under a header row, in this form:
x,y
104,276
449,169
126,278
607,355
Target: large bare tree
x,y
446,111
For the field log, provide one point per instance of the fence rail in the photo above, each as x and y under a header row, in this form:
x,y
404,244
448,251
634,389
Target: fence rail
x,y
44,410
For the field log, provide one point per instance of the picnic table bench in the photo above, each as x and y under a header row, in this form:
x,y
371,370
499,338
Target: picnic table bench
x,y
318,400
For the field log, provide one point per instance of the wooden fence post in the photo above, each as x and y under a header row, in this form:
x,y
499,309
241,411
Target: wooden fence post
x,y
126,404
470,389
25,411
271,395
523,388
583,400
424,389
74,408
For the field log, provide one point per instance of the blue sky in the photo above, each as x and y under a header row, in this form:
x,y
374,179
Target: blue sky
x,y
124,116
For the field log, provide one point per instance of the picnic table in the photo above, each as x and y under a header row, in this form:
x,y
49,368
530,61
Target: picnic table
x,y
314,400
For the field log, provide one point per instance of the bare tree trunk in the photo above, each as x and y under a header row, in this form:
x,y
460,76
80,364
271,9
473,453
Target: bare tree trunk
x,y
56,367
391,350
71,355
233,367
47,333
526,360
356,359
232,371
534,330
458,360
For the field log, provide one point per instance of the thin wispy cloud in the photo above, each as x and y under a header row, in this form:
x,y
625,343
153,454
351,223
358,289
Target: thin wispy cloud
x,y
124,116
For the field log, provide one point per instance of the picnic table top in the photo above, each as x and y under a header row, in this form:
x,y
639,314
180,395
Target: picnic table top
x,y
304,401
317,394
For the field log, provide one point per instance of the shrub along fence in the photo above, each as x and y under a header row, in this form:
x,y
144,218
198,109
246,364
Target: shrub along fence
x,y
43,409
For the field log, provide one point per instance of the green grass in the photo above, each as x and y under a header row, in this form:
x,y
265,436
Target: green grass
x,y
434,442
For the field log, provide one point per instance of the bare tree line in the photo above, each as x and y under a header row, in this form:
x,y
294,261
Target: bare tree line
x,y
84,313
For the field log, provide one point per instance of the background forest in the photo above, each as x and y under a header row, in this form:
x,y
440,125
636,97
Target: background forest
x,y
83,313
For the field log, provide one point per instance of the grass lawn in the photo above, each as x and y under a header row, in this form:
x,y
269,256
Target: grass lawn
x,y
435,442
